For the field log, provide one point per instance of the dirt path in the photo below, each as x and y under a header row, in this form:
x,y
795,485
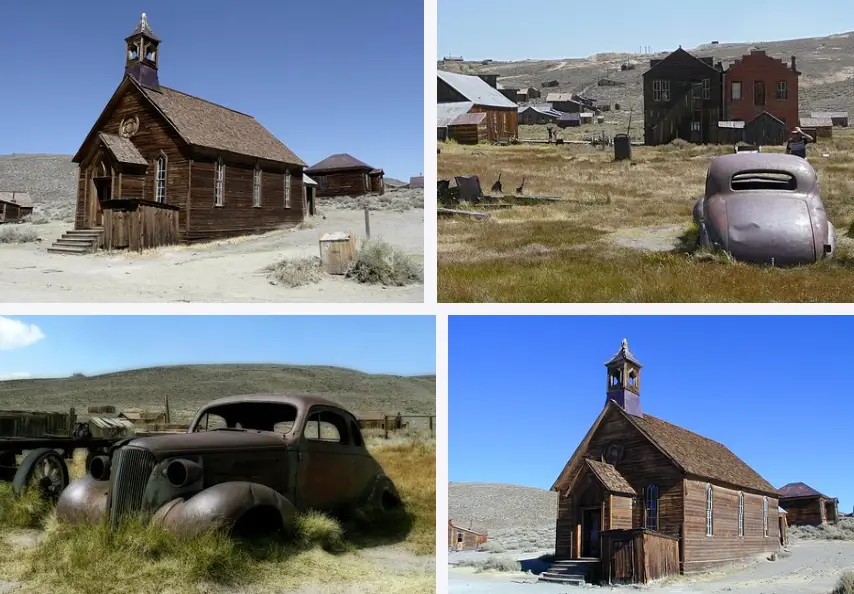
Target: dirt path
x,y
224,271
812,568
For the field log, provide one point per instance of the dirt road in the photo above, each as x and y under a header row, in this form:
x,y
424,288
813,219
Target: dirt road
x,y
812,568
224,271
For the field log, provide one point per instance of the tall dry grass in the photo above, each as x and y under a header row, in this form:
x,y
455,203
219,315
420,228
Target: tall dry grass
x,y
567,251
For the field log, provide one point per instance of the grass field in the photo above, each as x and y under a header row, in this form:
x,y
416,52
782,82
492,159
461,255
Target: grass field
x,y
392,556
603,241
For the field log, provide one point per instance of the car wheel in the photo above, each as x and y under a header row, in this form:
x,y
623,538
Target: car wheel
x,y
42,469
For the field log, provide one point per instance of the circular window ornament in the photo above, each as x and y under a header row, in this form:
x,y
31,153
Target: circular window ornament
x,y
613,453
129,126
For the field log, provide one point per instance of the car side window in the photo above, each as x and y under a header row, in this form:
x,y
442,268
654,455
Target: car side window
x,y
283,427
357,435
326,426
209,422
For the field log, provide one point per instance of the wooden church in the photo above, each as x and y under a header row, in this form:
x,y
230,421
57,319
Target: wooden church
x,y
642,498
161,166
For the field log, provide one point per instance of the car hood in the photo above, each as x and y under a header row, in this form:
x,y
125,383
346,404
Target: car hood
x,y
766,227
209,441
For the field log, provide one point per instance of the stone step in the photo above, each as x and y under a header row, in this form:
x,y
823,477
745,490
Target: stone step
x,y
64,249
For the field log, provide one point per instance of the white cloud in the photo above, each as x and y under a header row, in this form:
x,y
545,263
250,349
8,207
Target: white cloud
x,y
14,375
17,335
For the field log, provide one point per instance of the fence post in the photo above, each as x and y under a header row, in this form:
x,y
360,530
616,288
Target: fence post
x,y
385,422
431,427
367,222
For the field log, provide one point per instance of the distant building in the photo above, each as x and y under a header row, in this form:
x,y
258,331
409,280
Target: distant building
x,y
416,181
838,118
806,506
345,175
501,121
14,206
565,102
757,84
538,114
464,539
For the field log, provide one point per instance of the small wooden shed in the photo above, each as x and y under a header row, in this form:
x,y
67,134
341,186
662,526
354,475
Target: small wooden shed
x,y
14,206
730,132
464,539
838,118
817,127
469,128
765,129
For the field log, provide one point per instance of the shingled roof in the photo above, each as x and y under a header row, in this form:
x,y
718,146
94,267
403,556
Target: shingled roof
x,y
793,490
338,162
698,455
206,124
610,477
122,149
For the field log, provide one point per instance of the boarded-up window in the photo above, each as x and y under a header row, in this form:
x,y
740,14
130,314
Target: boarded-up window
x,y
256,188
160,180
740,513
219,184
736,90
709,510
287,189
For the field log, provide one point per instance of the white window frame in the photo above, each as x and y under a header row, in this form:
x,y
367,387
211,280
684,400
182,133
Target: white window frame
x,y
709,511
651,506
287,189
661,90
765,517
733,88
256,187
219,183
782,89
160,169
741,513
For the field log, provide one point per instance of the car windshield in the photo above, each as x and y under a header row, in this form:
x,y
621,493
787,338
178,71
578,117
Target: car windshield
x,y
261,416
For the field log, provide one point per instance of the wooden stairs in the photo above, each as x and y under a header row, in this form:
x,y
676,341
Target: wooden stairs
x,y
574,572
80,241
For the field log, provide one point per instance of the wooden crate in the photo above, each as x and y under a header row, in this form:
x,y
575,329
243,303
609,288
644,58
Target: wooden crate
x,y
337,252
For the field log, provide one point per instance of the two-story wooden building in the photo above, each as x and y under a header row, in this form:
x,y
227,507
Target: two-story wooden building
x,y
642,492
682,98
163,151
757,84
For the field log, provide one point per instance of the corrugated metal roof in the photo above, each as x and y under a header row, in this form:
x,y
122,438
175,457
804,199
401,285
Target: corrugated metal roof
x,y
570,116
816,123
587,114
829,114
731,124
106,423
306,180
544,108
475,89
559,97
19,198
446,112
468,119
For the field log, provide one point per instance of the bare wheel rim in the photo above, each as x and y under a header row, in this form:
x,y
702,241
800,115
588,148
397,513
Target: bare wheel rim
x,y
48,477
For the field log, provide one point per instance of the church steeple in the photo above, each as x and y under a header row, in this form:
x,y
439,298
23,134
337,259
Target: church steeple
x,y
624,380
142,55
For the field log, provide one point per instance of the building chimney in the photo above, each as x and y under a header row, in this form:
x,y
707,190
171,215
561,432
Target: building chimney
x,y
794,65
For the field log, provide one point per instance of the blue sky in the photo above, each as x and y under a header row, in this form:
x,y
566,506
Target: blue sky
x,y
43,346
509,30
324,77
523,391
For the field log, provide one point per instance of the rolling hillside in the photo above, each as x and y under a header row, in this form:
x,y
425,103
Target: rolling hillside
x,y
190,386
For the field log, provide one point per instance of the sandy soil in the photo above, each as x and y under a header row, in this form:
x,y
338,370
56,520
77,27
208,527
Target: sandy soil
x,y
224,271
812,568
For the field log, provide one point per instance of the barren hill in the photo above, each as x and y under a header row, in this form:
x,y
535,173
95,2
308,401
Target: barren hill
x,y
51,181
826,63
190,386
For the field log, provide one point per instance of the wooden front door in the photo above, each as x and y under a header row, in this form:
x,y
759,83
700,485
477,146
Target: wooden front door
x,y
591,524
103,191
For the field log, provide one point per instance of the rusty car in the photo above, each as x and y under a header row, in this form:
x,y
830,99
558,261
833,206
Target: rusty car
x,y
764,208
246,464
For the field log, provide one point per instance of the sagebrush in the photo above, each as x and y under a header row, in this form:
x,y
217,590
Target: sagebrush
x,y
378,262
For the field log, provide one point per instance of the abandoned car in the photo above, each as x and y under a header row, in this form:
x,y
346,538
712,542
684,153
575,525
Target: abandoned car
x,y
764,208
246,463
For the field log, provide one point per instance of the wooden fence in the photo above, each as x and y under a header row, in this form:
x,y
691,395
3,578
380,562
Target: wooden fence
x,y
638,556
391,423
139,224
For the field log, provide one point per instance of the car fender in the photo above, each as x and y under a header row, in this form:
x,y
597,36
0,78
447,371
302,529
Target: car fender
x,y
220,507
83,501
379,486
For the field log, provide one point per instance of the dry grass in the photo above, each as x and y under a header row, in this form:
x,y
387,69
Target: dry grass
x,y
845,584
378,262
496,563
18,234
296,272
139,558
566,252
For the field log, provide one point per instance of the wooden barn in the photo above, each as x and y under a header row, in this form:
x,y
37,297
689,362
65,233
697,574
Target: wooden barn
x,y
806,506
469,128
345,175
682,98
817,127
501,114
14,206
648,498
766,130
157,156
464,539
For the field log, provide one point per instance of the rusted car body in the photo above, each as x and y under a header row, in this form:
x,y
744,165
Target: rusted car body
x,y
764,208
246,463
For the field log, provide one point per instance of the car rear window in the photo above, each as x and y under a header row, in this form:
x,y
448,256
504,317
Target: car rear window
x,y
764,180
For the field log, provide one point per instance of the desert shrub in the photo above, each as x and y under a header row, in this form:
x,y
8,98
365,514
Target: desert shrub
x,y
37,218
315,528
491,546
378,262
492,564
845,584
296,272
842,530
18,235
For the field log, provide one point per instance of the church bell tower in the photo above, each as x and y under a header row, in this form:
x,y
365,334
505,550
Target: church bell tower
x,y
624,380
142,55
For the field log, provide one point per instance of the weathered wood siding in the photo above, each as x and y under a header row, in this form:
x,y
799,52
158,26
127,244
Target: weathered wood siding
x,y
500,122
564,528
141,227
621,512
638,556
237,215
13,212
804,512
471,540
342,183
701,552
469,133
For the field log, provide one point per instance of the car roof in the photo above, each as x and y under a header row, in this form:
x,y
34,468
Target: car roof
x,y
724,167
296,399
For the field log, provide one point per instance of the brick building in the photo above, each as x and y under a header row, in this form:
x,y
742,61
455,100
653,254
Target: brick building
x,y
758,83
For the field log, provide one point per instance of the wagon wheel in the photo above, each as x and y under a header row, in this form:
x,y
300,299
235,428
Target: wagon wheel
x,y
42,469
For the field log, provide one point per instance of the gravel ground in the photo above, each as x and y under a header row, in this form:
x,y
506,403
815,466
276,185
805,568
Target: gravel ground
x,y
812,568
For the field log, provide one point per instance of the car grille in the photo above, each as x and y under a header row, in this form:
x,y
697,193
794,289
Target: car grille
x,y
131,469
